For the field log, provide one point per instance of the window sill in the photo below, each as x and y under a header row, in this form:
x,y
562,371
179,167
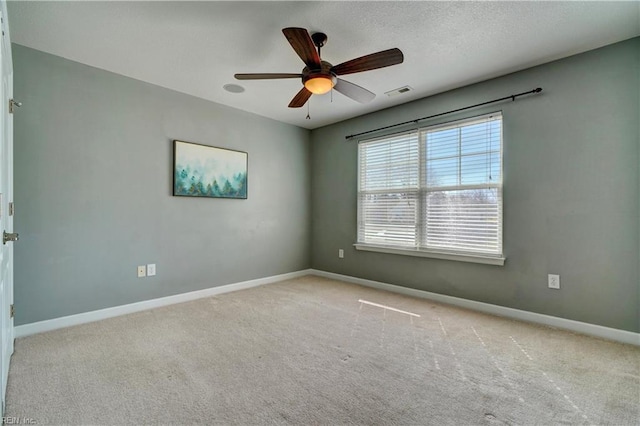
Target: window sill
x,y
487,260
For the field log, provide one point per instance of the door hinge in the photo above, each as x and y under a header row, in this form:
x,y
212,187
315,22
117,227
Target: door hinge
x,y
11,208
12,311
12,104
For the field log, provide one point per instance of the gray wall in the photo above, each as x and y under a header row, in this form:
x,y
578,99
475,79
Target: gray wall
x,y
571,193
93,161
93,179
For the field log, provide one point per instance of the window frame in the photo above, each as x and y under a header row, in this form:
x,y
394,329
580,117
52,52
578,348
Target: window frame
x,y
423,189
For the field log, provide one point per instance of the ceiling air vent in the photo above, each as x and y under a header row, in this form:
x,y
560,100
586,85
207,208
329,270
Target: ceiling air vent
x,y
233,88
398,91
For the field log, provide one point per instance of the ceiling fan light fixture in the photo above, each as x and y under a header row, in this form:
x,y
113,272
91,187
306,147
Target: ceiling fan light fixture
x,y
319,85
320,77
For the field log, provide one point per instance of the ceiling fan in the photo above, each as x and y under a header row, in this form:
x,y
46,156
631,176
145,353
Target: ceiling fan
x,y
319,77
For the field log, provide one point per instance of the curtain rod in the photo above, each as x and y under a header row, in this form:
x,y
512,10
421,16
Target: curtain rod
x,y
512,97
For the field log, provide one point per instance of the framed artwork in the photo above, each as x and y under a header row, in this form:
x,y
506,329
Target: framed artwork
x,y
207,171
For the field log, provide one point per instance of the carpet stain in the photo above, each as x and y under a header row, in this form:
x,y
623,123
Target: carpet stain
x,y
493,419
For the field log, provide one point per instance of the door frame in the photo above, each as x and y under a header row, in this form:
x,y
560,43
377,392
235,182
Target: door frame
x,y
6,216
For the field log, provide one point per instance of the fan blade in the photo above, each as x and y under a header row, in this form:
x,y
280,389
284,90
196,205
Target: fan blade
x,y
374,61
300,98
353,91
265,76
301,42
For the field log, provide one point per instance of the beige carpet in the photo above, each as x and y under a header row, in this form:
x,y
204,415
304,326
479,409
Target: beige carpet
x,y
316,351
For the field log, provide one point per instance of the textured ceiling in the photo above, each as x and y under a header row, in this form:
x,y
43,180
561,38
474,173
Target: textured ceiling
x,y
196,47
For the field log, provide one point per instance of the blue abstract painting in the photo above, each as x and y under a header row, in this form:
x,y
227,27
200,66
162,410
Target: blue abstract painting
x,y
206,171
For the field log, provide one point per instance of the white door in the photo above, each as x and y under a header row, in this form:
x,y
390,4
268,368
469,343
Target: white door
x,y
6,198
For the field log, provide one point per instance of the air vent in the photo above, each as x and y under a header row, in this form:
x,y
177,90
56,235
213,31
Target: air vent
x,y
233,88
399,91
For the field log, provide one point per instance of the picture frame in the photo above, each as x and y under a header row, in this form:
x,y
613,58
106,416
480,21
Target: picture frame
x,y
209,171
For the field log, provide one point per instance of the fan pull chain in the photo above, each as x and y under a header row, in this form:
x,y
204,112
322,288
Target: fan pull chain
x,y
308,116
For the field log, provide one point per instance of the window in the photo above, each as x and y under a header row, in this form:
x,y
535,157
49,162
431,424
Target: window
x,y
435,191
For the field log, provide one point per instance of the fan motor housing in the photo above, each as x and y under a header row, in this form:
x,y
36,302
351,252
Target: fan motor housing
x,y
324,71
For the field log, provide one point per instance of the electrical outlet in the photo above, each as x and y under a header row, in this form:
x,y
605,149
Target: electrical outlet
x,y
554,281
142,271
341,253
151,269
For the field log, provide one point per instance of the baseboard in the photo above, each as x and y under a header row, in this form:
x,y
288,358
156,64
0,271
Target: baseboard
x,y
68,321
622,336
86,317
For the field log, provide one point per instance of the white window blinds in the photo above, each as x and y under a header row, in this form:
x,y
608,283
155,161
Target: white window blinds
x,y
388,194
436,189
